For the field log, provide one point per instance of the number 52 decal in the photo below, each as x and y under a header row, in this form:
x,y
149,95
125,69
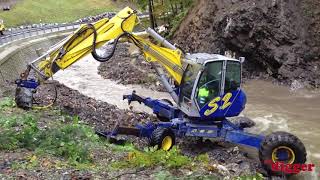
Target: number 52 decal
x,y
214,104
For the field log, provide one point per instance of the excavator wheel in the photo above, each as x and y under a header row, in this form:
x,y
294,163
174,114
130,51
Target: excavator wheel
x,y
164,138
281,147
164,119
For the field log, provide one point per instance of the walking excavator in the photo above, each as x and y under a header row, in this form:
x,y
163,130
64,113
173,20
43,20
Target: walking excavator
x,y
205,88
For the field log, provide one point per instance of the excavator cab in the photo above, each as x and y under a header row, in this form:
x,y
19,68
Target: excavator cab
x,y
2,27
211,87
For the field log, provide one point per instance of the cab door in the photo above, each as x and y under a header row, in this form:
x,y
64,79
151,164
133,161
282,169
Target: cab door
x,y
218,88
209,88
233,98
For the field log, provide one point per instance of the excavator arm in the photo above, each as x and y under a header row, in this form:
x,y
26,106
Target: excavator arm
x,y
82,42
87,39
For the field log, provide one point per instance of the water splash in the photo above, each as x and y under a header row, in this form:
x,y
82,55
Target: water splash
x,y
295,85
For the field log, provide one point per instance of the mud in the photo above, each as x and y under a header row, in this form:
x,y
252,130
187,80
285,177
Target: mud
x,y
126,69
235,159
101,115
280,39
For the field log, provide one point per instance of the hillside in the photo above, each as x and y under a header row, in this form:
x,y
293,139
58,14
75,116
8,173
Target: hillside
x,y
54,11
280,39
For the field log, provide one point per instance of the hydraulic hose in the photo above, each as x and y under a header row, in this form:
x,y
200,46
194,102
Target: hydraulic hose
x,y
94,46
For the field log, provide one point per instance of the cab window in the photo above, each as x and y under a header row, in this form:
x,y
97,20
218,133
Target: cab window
x,y
188,81
233,76
209,83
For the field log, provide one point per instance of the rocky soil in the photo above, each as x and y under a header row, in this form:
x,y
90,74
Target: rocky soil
x,y
101,115
280,39
126,69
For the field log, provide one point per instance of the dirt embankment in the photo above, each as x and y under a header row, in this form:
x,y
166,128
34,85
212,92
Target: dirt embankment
x,y
126,69
280,39
101,115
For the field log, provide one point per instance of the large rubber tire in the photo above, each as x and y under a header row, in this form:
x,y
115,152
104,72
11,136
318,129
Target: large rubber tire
x,y
281,141
163,138
164,119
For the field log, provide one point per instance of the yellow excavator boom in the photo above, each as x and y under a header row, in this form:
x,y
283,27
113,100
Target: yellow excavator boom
x,y
88,37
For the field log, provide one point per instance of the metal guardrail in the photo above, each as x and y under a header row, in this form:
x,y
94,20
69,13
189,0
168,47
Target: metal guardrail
x,y
35,32
9,67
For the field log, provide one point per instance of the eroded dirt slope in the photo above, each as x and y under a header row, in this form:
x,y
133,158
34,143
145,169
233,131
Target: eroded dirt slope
x,y
100,115
127,69
279,38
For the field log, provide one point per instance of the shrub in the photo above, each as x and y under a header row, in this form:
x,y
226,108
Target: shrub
x,y
151,157
18,132
203,158
72,141
7,103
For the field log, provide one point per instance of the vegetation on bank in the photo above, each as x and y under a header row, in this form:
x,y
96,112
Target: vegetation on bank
x,y
55,140
63,141
168,13
54,11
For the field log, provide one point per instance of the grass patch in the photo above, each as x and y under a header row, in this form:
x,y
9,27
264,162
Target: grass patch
x,y
51,11
70,140
151,157
7,103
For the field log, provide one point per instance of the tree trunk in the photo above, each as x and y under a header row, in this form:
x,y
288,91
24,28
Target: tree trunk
x,y
152,20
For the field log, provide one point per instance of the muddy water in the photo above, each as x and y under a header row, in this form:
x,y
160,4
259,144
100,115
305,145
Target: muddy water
x,y
272,107
277,108
83,76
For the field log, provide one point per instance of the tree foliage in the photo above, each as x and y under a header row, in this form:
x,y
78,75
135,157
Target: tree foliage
x,y
164,9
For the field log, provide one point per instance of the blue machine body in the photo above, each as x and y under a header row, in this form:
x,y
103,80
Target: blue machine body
x,y
30,83
184,127
236,105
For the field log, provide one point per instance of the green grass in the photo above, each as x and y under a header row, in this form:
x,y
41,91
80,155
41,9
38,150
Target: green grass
x,y
152,157
51,11
71,140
